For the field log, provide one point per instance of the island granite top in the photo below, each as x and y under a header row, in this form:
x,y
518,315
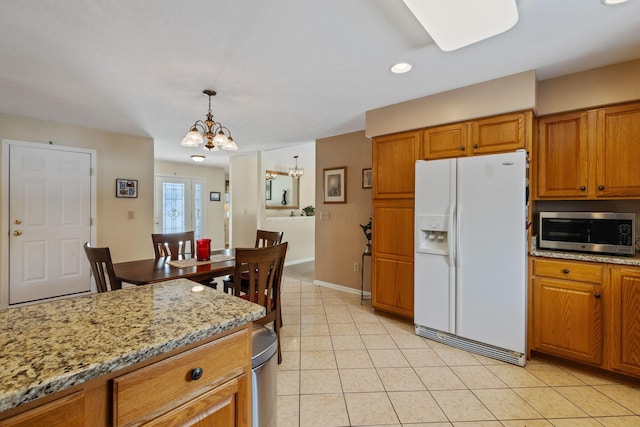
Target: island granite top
x,y
48,347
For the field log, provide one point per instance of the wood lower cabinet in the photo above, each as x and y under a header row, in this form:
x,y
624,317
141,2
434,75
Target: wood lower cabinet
x,y
568,300
204,385
625,320
392,266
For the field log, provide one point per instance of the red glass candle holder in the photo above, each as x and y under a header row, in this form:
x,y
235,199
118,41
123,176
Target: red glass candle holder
x,y
203,249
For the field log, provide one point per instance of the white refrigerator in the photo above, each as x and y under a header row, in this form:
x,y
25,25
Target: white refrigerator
x,y
470,265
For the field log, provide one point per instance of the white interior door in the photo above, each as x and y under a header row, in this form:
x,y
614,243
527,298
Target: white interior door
x,y
49,221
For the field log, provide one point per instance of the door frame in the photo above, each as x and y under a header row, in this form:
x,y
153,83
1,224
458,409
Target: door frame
x,y
4,213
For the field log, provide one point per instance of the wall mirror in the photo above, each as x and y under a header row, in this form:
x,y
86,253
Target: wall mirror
x,y
282,192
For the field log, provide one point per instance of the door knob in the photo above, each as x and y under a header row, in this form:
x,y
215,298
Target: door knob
x,y
17,233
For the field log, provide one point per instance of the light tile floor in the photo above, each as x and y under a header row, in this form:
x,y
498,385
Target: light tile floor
x,y
343,365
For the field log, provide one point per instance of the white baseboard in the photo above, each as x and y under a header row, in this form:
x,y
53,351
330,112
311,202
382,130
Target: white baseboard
x,y
299,261
340,288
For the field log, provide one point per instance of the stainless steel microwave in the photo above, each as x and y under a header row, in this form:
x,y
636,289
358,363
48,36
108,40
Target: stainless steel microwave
x,y
601,232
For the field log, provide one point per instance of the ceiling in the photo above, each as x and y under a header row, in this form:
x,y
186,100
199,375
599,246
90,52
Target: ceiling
x,y
286,71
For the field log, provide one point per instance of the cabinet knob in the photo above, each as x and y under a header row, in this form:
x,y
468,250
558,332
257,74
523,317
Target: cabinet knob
x,y
583,188
601,187
565,271
196,374
475,145
462,147
596,296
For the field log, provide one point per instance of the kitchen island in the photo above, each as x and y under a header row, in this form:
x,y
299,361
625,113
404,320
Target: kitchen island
x,y
159,352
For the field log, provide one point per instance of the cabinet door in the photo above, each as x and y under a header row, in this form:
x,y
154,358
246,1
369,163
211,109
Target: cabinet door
x,y
394,158
392,273
562,156
618,151
625,322
443,142
567,319
498,134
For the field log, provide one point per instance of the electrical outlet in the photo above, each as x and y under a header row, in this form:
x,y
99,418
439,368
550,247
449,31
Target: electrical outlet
x,y
356,267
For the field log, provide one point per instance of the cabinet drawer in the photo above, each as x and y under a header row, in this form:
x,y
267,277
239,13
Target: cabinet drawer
x,y
155,389
591,273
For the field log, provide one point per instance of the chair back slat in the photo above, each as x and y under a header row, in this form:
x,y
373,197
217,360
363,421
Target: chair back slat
x,y
102,268
268,238
174,245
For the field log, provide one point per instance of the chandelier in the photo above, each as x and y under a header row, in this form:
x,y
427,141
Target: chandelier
x,y
295,172
213,131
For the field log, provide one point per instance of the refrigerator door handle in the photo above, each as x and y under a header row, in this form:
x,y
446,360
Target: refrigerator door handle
x,y
452,235
458,241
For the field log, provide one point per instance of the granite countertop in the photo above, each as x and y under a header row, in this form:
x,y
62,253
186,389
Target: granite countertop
x,y
54,345
578,256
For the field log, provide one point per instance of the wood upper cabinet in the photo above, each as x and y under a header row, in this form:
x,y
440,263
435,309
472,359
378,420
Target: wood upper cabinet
x,y
625,321
443,142
394,158
497,134
618,151
568,314
507,132
589,155
562,156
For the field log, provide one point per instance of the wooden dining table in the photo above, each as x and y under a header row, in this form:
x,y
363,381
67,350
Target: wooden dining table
x,y
144,271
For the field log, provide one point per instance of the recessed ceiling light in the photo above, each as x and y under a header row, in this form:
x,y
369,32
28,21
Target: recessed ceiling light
x,y
453,24
400,67
612,2
198,158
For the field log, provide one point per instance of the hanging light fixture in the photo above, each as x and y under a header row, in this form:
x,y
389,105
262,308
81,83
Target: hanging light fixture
x,y
213,131
295,172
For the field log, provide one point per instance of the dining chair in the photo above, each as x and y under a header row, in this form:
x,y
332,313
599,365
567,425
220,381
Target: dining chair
x,y
264,267
263,238
102,268
173,245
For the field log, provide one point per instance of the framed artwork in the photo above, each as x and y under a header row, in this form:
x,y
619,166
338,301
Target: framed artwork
x,y
267,193
367,178
335,185
127,188
214,196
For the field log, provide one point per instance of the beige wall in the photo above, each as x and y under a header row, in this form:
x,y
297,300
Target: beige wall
x,y
243,188
600,86
214,211
339,239
118,156
512,93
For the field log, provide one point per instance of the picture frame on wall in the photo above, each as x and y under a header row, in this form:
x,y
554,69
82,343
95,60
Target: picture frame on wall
x,y
214,196
335,185
127,188
367,178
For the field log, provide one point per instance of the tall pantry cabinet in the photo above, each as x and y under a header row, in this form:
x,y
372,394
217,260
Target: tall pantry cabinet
x,y
394,158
